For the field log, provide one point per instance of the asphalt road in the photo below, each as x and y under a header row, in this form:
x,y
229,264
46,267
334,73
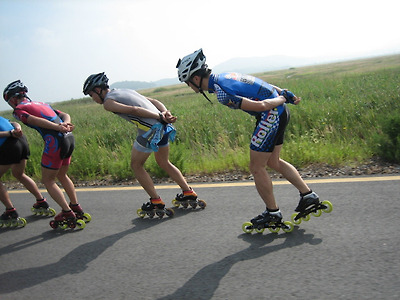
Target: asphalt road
x,y
350,253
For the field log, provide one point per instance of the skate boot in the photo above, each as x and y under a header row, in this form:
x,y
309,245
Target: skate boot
x,y
270,220
310,204
41,208
187,198
77,209
154,207
67,219
10,219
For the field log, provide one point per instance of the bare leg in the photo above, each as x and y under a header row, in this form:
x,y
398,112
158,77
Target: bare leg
x,y
162,159
263,182
137,164
287,170
18,171
4,196
67,184
49,180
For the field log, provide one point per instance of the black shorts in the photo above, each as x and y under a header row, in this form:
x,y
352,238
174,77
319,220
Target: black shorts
x,y
14,150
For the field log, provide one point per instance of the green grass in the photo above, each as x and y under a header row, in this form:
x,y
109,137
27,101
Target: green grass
x,y
337,122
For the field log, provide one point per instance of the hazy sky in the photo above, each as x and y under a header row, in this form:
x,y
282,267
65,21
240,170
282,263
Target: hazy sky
x,y
53,45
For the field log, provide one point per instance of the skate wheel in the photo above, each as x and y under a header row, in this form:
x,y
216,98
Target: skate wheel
x,y
169,212
40,212
80,224
52,212
193,205
259,230
202,204
306,218
1,224
64,226
175,203
185,205
317,213
289,227
34,211
160,214
298,221
22,222
53,224
247,227
274,228
329,206
87,218
7,223
140,213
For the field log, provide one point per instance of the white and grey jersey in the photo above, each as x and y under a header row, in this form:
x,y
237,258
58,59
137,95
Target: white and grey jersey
x,y
133,98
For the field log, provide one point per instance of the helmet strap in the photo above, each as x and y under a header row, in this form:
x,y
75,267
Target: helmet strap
x,y
200,89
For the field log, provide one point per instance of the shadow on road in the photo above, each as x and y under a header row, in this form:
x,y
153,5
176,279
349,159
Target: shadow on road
x,y
205,282
73,263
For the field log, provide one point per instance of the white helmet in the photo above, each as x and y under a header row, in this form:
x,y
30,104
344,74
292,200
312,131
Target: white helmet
x,y
191,63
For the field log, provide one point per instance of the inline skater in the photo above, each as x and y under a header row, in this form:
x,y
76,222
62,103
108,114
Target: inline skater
x,y
14,153
267,103
154,131
55,127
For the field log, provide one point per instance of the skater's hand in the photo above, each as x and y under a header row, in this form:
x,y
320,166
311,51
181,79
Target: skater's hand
x,y
168,117
17,132
66,127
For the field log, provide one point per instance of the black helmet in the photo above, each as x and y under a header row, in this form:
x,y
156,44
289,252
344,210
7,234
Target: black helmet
x,y
15,88
95,80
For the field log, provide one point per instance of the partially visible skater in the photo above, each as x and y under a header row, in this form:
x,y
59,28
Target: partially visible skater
x,y
55,128
267,103
14,153
153,121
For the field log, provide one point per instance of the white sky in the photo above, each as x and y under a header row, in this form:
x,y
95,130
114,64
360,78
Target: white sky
x,y
54,45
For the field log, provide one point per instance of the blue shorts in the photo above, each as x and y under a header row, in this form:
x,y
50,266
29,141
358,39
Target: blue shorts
x,y
270,130
138,144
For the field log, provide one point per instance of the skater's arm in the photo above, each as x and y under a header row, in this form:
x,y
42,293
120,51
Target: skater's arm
x,y
263,105
117,107
43,123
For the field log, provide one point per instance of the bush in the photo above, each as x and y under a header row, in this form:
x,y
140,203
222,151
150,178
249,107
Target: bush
x,y
388,143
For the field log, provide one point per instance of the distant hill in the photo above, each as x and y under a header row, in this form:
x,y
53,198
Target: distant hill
x,y
242,65
141,85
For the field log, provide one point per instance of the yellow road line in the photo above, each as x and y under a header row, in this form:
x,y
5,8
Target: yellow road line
x,y
230,184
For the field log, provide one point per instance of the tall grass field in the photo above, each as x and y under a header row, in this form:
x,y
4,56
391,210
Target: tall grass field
x,y
350,112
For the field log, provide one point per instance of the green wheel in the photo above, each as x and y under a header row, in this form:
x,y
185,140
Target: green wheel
x,y
34,211
22,222
317,213
289,225
297,222
80,224
306,218
87,218
64,226
274,229
175,203
247,227
259,230
329,206
140,213
52,212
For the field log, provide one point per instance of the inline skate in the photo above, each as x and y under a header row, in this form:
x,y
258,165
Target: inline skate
x,y
155,207
187,198
78,211
310,204
41,208
10,218
66,220
272,221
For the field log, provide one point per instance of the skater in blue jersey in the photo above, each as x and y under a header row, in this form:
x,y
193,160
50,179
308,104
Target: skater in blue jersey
x,y
14,153
154,132
268,104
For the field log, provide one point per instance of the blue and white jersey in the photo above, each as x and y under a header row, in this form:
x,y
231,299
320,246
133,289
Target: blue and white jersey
x,y
228,87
